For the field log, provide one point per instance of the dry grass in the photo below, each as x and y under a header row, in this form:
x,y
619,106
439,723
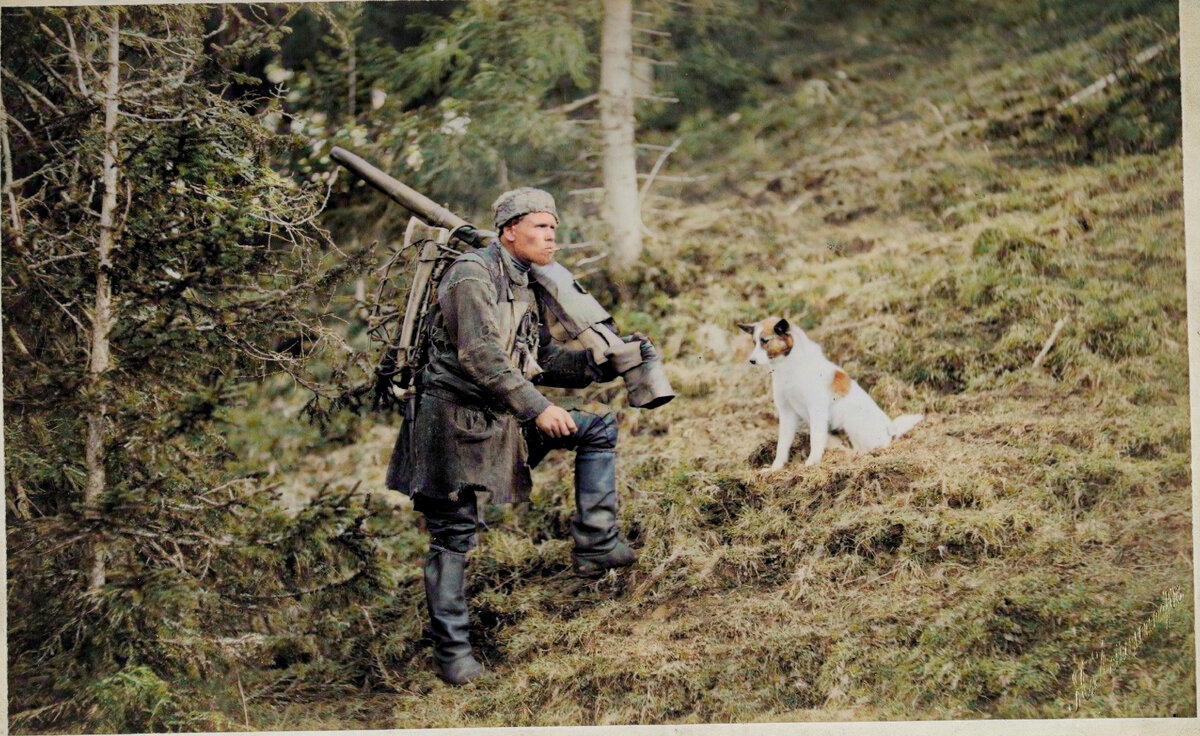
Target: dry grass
x,y
1025,530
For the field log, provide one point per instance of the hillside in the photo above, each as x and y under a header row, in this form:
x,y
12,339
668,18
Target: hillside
x,y
916,202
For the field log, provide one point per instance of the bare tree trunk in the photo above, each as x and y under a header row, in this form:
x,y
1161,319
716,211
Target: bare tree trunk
x,y
351,73
344,26
7,189
102,312
619,162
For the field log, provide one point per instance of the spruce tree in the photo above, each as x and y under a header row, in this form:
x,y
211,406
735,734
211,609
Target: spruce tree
x,y
156,264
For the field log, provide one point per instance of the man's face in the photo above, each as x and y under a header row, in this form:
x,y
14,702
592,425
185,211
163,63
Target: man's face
x,y
531,238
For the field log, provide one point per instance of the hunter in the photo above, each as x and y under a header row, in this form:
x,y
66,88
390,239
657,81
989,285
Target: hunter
x,y
479,422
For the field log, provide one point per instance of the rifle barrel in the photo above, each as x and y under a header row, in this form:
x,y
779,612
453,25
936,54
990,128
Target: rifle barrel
x,y
420,205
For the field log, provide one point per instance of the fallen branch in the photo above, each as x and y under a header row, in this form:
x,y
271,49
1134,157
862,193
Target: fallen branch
x,y
29,715
1037,362
1100,84
656,575
242,693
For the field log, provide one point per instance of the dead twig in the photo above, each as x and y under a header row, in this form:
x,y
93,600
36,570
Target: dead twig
x,y
656,575
242,694
28,715
1037,362
590,259
575,105
662,157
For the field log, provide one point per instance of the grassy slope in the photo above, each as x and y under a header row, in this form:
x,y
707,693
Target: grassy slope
x,y
1026,529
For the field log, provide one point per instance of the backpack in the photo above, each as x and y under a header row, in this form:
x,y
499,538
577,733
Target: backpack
x,y
406,334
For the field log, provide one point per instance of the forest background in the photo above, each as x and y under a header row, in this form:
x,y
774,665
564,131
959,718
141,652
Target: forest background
x,y
975,207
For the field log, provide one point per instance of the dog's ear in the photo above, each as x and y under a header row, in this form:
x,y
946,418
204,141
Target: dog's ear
x,y
782,326
747,328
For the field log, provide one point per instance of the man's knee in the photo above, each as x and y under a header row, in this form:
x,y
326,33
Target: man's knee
x,y
453,542
597,430
452,522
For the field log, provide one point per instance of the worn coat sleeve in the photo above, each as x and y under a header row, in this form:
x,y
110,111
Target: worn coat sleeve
x,y
468,300
564,367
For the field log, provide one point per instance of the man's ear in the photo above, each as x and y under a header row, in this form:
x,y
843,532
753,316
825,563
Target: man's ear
x,y
747,328
782,326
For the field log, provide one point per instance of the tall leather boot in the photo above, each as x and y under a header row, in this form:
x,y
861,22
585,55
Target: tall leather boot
x,y
445,595
599,546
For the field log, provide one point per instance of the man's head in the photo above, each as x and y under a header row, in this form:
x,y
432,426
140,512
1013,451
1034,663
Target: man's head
x,y
526,220
519,202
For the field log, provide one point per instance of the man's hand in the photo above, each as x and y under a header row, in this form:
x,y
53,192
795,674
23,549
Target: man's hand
x,y
611,368
600,372
649,352
555,421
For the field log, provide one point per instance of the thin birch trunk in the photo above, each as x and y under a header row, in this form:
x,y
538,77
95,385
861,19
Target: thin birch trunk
x,y
102,312
619,161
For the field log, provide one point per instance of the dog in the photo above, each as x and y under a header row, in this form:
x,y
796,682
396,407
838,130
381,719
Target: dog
x,y
809,387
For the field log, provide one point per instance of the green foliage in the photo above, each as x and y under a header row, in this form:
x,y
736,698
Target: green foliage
x,y
217,276
133,699
461,113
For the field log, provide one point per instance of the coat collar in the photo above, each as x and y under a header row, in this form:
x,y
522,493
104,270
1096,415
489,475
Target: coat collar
x,y
517,275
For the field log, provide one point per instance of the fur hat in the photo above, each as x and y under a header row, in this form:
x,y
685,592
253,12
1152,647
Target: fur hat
x,y
519,202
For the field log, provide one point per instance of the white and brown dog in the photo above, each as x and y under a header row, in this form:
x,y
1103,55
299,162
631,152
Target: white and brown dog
x,y
811,388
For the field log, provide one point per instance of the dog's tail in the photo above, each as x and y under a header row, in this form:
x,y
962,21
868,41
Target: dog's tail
x,y
903,423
